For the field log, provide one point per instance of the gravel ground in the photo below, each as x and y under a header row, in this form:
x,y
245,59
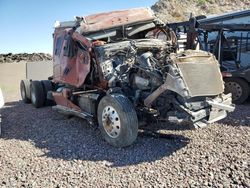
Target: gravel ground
x,y
40,148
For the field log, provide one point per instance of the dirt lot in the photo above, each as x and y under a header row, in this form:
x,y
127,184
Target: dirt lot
x,y
39,148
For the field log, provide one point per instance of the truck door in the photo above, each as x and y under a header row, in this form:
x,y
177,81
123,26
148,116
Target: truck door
x,y
72,58
57,48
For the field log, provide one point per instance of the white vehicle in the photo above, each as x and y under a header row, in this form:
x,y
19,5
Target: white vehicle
x,y
1,99
1,105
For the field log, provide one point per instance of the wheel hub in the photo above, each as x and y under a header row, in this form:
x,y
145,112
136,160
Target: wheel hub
x,y
234,88
111,121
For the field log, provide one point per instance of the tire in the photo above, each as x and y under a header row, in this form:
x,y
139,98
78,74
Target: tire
x,y
239,89
25,90
116,109
47,86
37,94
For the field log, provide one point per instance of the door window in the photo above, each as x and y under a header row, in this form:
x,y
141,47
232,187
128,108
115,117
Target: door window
x,y
58,46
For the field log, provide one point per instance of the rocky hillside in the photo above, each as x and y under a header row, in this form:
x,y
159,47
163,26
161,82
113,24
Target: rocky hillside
x,y
15,58
179,10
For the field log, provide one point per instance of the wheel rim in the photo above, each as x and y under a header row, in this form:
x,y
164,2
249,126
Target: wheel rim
x,y
23,93
111,121
33,97
235,89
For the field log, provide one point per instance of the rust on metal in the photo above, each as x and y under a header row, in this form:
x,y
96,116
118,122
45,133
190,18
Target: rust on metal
x,y
108,20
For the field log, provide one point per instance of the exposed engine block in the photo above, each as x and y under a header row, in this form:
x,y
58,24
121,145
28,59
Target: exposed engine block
x,y
140,60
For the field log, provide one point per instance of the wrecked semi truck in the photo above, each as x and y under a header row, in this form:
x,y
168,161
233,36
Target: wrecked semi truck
x,y
121,68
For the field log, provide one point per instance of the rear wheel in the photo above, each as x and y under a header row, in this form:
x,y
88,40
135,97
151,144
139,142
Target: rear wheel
x,y
37,94
47,86
239,89
117,120
25,90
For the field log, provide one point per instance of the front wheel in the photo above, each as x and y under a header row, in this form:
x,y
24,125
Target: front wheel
x,y
117,120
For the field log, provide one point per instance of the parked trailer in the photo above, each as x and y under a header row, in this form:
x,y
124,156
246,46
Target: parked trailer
x,y
1,105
